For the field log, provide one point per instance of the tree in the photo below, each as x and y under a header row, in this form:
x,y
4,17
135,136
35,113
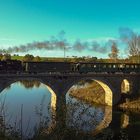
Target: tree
x,y
37,59
134,45
114,51
134,48
28,57
6,57
132,39
1,55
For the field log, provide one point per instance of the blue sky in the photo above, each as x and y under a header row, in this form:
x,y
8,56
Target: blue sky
x,y
26,21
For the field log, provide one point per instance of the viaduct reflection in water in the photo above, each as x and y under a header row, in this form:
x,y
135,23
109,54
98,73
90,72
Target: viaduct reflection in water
x,y
87,118
28,106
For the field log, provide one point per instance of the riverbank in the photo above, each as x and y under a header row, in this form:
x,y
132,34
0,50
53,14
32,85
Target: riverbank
x,y
131,105
89,92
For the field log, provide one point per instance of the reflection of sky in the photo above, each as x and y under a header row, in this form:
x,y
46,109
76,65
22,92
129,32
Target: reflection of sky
x,y
30,98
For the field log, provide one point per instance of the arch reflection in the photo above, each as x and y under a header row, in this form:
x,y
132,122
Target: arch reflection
x,y
85,117
30,104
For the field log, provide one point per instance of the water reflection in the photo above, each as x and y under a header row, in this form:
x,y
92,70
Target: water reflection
x,y
87,118
25,107
124,120
124,126
86,113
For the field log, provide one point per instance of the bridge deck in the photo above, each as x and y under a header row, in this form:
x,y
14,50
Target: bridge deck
x,y
71,75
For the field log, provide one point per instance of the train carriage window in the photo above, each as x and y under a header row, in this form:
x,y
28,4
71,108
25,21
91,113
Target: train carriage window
x,y
121,66
114,66
127,66
94,66
132,66
136,66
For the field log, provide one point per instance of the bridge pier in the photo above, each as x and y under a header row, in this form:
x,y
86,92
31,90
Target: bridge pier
x,y
135,87
60,106
60,111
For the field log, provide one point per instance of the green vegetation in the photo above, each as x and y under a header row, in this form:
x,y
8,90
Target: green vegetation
x,y
28,57
16,57
5,56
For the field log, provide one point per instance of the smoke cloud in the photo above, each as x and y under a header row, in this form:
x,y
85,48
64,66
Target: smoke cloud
x,y
80,46
59,42
126,34
96,47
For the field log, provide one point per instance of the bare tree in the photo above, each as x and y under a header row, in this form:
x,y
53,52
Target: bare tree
x,y
132,39
114,51
134,48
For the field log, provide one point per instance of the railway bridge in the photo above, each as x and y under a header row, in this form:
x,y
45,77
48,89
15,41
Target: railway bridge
x,y
61,83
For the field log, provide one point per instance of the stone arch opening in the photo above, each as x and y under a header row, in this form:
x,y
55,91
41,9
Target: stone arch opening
x,y
53,99
125,86
107,90
95,118
52,105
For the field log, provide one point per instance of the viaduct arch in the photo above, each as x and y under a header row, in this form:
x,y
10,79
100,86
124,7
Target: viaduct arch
x,y
126,86
60,84
106,87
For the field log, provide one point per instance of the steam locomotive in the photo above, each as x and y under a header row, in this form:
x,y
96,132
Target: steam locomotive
x,y
15,66
11,66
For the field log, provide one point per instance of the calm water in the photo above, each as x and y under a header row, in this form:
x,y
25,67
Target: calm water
x,y
26,106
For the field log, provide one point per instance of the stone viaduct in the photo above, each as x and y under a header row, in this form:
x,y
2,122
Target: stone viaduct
x,y
60,85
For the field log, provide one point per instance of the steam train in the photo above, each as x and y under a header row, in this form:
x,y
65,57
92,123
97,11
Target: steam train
x,y
15,66
11,66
